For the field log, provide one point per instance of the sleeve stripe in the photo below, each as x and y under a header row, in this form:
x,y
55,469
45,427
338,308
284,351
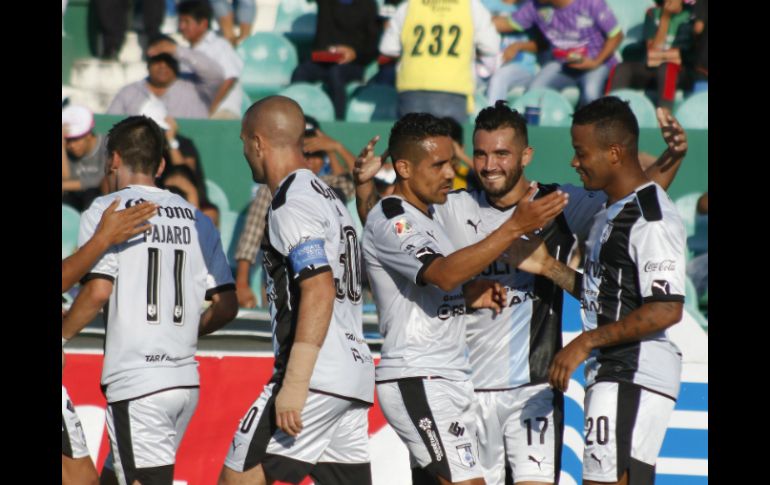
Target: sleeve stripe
x,y
307,273
427,260
94,276
219,289
674,298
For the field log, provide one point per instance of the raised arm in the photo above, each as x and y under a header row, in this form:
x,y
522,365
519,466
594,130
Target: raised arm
x,y
667,165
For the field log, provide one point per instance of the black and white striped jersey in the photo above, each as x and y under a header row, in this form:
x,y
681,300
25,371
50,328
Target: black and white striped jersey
x,y
635,254
516,347
160,281
309,231
422,325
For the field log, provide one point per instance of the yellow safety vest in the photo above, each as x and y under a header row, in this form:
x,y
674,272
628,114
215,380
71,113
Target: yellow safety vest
x,y
437,48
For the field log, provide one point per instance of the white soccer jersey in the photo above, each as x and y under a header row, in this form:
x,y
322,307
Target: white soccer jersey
x,y
422,325
161,278
516,347
635,254
310,231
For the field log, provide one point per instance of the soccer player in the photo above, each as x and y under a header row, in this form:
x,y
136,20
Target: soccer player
x,y
153,286
520,418
311,418
416,276
632,290
114,228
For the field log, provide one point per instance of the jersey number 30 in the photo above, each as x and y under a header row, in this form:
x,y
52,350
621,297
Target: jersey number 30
x,y
350,285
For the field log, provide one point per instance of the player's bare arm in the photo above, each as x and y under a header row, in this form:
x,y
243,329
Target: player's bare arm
x,y
365,168
648,319
92,297
314,315
667,165
115,227
449,272
223,309
540,262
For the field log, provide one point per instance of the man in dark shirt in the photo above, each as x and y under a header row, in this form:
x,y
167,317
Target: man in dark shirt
x,y
348,30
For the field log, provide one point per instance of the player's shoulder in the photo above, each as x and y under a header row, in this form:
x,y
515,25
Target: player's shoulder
x,y
654,204
301,190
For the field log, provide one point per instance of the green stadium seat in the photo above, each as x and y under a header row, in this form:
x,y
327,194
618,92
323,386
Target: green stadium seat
x,y
555,110
227,223
686,205
312,99
296,16
640,105
375,102
268,61
70,227
217,196
694,112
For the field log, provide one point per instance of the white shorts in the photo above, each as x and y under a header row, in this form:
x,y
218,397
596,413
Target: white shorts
x,y
333,446
624,430
523,426
145,433
435,418
73,439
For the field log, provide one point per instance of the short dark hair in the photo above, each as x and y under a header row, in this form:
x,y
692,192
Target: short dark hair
x,y
196,9
613,120
500,116
411,129
139,141
168,59
455,128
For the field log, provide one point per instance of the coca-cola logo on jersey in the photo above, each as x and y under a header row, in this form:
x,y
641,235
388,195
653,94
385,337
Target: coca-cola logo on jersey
x,y
665,265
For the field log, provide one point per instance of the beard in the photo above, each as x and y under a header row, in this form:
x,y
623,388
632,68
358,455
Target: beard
x,y
508,184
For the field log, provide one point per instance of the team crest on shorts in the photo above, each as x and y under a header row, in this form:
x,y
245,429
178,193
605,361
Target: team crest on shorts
x,y
466,455
403,227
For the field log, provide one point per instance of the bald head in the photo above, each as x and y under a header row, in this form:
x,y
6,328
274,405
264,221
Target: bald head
x,y
278,120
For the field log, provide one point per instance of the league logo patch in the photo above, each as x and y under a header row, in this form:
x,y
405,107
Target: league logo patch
x,y
403,227
466,455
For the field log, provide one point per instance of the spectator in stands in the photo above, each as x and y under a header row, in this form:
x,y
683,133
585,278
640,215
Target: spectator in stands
x,y
345,43
668,30
194,17
701,29
83,157
584,36
516,63
182,178
245,10
465,177
114,15
437,44
183,96
317,145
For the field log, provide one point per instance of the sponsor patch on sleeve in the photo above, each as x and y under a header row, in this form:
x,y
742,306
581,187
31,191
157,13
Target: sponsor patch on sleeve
x,y
403,227
661,288
308,255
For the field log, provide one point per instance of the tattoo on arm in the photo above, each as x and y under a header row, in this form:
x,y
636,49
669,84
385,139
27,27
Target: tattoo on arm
x,y
566,277
645,320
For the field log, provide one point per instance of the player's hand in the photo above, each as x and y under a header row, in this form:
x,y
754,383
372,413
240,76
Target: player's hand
x,y
529,254
484,293
246,298
532,215
566,361
288,408
673,133
319,143
367,164
119,226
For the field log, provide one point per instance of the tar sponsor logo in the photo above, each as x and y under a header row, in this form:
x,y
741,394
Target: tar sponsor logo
x,y
661,288
353,338
426,425
326,192
466,455
364,359
156,358
665,265
539,462
456,429
474,226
